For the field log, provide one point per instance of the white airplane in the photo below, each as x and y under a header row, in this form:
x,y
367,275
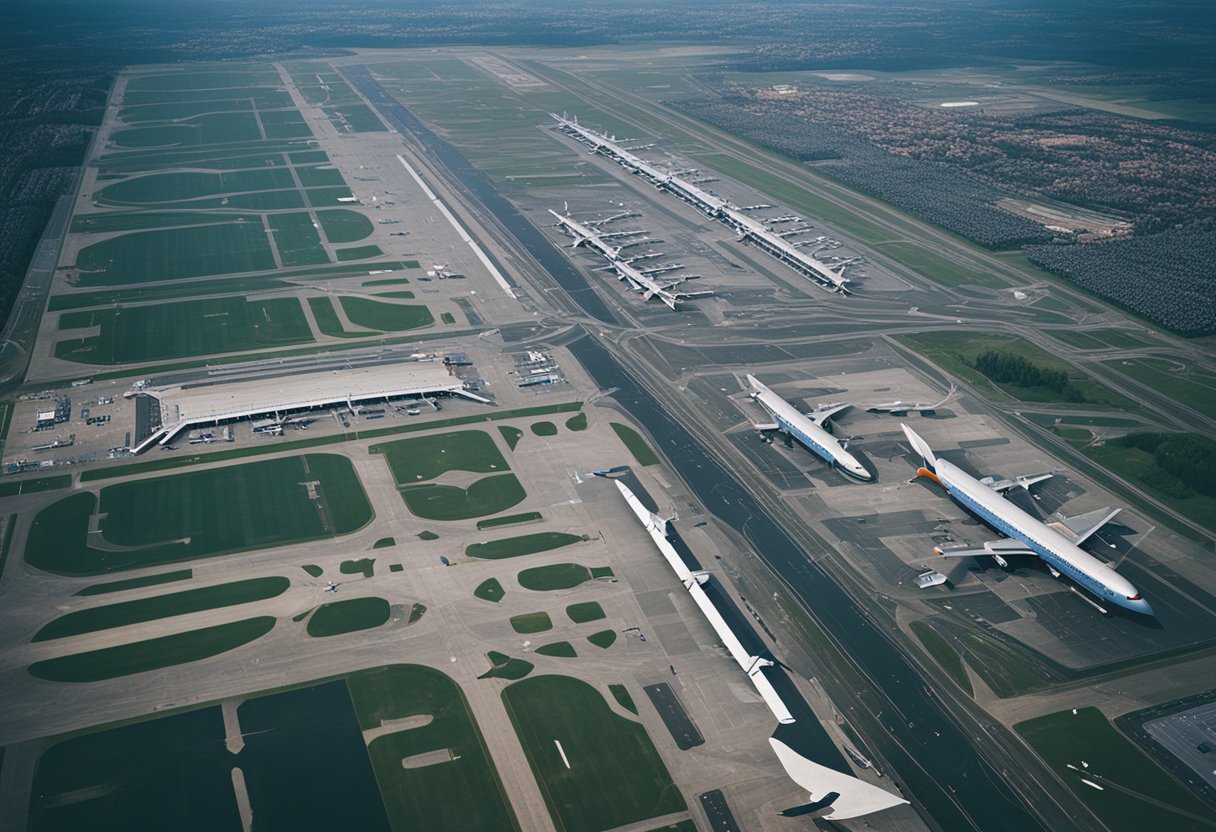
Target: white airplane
x,y
809,429
898,408
1058,544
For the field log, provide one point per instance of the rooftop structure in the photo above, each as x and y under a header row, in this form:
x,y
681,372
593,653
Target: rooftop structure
x,y
195,405
748,228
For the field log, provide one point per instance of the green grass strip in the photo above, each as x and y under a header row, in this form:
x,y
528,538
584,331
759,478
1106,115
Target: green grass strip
x,y
513,547
12,488
945,655
636,444
348,616
9,527
152,654
237,453
137,583
510,519
163,606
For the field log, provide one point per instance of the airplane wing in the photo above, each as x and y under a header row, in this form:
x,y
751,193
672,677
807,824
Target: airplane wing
x,y
765,425
999,548
1083,526
1003,485
821,416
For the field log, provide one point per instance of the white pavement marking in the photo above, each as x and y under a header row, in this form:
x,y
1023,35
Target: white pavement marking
x,y
464,235
562,751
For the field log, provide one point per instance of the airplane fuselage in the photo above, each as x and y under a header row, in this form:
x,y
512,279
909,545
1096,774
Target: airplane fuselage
x,y
815,438
1053,547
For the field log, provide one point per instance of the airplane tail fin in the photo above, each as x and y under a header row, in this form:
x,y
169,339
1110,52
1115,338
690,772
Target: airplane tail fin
x,y
920,446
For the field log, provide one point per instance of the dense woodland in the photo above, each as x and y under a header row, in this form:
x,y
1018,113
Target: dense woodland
x,y
1188,460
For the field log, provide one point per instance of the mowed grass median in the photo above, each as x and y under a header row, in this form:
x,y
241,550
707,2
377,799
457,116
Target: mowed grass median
x,y
152,654
175,253
460,788
163,606
513,547
605,773
182,329
199,514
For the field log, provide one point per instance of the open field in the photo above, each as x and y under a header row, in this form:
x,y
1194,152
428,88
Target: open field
x,y
1140,468
327,319
463,793
490,590
11,488
426,457
636,444
183,328
489,495
163,606
531,622
513,547
1186,384
175,253
138,583
175,772
344,226
361,253
1134,792
153,654
615,776
603,638
956,353
585,611
298,242
386,317
168,519
339,617
558,649
554,576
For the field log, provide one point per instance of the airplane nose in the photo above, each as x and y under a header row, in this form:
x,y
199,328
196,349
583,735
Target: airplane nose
x,y
1139,605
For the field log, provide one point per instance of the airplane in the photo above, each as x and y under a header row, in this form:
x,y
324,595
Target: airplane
x,y
898,408
1058,543
809,429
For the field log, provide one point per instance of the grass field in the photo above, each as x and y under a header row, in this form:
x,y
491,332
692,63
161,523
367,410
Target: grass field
x,y
621,694
111,221
11,488
531,622
179,186
584,612
175,253
462,793
360,253
513,547
138,583
490,590
558,649
173,518
1140,468
298,242
344,226
577,423
1135,793
386,317
545,428
1186,384
945,655
174,770
509,520
511,435
503,666
348,616
183,328
163,606
327,319
636,444
554,576
615,776
603,639
426,457
153,654
384,543
489,495
955,351
935,267
1003,671
358,566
